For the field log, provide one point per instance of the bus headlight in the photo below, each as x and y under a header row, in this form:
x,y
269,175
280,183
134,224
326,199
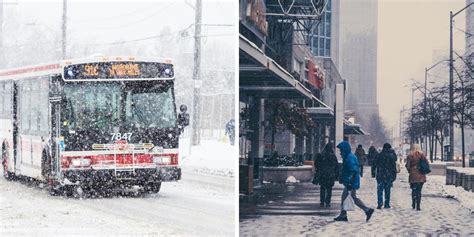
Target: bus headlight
x,y
81,162
161,159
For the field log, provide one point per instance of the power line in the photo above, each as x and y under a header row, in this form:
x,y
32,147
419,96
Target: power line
x,y
128,24
155,37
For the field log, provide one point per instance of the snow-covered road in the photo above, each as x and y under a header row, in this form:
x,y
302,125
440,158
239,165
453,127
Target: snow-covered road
x,y
199,204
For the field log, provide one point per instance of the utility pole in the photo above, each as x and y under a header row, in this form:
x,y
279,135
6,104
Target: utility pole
x,y
425,111
412,132
451,93
401,131
64,28
196,133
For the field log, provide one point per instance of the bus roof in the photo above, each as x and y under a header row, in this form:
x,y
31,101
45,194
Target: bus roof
x,y
56,67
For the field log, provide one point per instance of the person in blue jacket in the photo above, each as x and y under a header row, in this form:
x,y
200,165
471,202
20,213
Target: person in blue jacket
x,y
350,178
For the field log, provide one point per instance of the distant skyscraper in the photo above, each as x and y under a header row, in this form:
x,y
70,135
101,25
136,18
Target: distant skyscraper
x,y
358,56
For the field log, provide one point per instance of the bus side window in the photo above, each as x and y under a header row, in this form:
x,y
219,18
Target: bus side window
x,y
2,92
34,105
25,106
44,105
7,99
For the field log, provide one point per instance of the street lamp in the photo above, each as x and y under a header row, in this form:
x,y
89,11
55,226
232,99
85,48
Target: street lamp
x,y
451,91
412,135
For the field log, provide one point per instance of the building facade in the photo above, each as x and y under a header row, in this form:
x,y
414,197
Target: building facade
x,y
358,54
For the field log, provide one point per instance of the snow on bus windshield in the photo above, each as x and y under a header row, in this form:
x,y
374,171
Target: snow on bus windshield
x,y
99,106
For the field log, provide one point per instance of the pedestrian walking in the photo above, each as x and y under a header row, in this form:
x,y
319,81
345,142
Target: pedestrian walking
x,y
416,177
327,172
360,153
229,130
385,173
351,181
371,158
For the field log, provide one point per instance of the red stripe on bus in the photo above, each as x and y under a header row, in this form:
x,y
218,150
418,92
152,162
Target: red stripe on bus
x,y
31,69
122,159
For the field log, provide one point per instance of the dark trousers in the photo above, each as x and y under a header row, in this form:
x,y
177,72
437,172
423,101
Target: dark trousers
x,y
357,201
361,170
416,193
383,186
325,194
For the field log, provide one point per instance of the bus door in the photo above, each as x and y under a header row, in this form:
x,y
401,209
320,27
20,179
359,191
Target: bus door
x,y
15,125
55,98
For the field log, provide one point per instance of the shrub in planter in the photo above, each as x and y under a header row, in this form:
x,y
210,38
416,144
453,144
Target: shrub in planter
x,y
281,160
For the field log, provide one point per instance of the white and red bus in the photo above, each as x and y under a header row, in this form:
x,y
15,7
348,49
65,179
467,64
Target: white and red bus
x,y
102,121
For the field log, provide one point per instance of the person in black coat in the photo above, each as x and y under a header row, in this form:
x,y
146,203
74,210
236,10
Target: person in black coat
x,y
385,173
371,158
327,172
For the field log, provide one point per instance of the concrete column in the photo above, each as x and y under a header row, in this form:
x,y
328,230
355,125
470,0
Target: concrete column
x,y
339,113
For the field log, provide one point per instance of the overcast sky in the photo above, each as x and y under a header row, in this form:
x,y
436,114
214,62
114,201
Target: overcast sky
x,y
408,34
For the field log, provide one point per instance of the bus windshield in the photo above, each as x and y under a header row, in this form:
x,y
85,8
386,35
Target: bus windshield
x,y
109,106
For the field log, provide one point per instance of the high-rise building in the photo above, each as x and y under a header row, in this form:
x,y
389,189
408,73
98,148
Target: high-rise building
x,y
324,40
358,56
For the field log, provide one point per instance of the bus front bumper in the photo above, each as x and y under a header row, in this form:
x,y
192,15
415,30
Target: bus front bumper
x,y
133,176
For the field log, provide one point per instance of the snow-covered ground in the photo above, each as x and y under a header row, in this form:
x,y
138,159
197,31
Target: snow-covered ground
x,y
200,204
212,156
299,213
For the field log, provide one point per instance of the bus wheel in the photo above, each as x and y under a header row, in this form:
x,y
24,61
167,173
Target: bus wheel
x,y
152,187
6,174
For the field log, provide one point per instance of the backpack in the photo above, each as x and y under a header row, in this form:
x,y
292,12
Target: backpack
x,y
424,167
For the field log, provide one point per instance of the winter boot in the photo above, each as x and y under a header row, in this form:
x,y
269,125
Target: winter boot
x,y
369,214
413,201
418,201
341,218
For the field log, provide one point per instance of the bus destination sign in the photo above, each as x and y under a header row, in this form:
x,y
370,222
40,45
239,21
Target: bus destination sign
x,y
118,70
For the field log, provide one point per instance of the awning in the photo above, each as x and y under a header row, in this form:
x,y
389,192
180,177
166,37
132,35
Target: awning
x,y
323,112
263,77
354,129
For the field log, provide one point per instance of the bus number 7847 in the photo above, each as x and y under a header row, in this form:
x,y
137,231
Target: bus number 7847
x,y
121,136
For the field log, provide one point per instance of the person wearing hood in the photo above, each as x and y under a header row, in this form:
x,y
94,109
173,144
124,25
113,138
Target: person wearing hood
x,y
386,173
360,153
327,172
351,180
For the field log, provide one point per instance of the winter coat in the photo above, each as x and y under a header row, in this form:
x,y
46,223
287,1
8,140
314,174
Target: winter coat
x,y
385,166
413,167
360,153
371,157
327,169
350,175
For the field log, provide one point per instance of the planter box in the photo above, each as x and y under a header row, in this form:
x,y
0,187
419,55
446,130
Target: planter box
x,y
280,174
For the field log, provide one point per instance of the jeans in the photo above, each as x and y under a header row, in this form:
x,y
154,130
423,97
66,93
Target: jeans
x,y
361,170
325,194
357,201
383,186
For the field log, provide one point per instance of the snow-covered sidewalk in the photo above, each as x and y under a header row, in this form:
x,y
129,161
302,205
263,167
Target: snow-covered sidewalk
x,y
210,157
296,211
